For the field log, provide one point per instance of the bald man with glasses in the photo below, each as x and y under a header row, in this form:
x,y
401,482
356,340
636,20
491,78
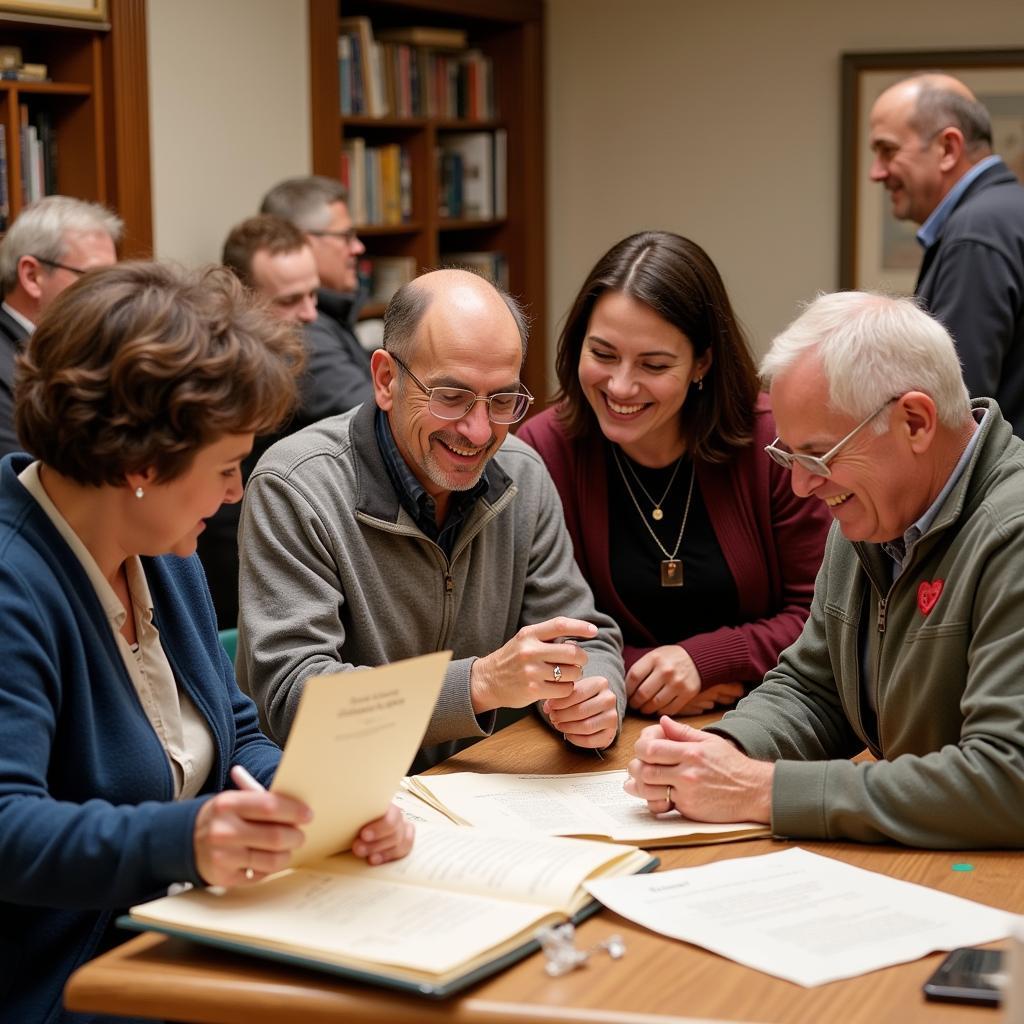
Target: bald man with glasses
x,y
415,524
915,641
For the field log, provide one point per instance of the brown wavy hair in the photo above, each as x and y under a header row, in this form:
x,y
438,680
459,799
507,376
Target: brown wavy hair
x,y
140,365
677,280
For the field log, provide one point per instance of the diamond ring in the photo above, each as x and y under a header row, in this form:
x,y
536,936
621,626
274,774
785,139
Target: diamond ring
x,y
249,874
557,673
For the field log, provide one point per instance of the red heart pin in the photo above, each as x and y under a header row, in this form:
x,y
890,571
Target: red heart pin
x,y
928,595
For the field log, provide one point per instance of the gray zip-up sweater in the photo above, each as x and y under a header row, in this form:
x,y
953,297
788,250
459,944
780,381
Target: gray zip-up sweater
x,y
946,642
335,575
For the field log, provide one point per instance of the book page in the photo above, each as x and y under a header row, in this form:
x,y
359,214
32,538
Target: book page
x,y
418,811
358,919
589,803
354,736
799,916
543,870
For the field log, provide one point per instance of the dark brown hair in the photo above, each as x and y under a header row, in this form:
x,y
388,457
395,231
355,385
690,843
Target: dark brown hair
x,y
263,232
139,365
677,280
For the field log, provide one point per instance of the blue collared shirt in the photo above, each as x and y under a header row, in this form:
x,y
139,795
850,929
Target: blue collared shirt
x,y
932,227
414,497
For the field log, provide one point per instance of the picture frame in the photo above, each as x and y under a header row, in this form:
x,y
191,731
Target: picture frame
x,y
877,252
54,10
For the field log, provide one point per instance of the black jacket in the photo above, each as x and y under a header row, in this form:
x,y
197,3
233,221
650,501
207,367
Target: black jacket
x,y
12,340
972,279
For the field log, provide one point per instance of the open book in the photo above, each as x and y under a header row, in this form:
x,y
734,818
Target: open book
x,y
463,905
591,804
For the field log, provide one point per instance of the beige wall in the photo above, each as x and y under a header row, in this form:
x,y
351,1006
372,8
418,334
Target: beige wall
x,y
718,119
229,112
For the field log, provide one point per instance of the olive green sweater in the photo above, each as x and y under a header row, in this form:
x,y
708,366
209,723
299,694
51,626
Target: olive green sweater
x,y
948,679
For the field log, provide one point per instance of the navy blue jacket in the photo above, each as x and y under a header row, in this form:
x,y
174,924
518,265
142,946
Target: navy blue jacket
x,y
88,823
972,279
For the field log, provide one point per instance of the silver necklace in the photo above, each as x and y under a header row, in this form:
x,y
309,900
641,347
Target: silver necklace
x,y
671,567
657,514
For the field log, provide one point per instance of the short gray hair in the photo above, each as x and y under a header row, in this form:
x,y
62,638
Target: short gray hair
x,y
938,107
407,306
871,348
41,230
304,201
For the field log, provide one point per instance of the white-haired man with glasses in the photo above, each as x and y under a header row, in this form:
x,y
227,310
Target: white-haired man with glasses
x,y
414,524
915,642
50,245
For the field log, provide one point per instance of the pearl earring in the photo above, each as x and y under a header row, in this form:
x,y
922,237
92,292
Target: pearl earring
x,y
139,492
700,383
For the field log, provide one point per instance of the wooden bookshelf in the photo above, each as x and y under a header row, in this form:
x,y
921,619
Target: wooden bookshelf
x,y
97,102
510,34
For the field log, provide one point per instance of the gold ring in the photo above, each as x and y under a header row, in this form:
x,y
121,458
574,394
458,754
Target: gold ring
x,y
249,874
556,673
668,796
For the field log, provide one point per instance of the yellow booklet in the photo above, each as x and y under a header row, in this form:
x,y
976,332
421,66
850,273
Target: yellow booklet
x,y
590,804
464,904
353,738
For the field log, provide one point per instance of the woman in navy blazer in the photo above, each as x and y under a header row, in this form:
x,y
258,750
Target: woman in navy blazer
x,y
121,724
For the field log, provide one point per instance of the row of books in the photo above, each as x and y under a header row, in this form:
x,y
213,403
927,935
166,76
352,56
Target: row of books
x,y
381,276
379,182
472,175
397,76
38,164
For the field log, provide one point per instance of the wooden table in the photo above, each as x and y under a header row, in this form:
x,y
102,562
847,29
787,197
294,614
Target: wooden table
x,y
659,980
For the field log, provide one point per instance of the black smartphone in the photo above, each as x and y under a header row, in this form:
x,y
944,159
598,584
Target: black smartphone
x,y
968,975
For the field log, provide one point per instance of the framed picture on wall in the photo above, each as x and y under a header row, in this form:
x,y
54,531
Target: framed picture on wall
x,y
878,252
92,10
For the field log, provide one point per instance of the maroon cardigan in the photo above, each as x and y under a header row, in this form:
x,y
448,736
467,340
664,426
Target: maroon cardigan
x,y
771,539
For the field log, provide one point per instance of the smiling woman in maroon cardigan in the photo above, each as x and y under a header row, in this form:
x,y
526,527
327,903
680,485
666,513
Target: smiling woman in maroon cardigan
x,y
688,534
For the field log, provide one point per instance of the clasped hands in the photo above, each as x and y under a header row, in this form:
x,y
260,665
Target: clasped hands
x,y
704,776
241,836
540,664
666,681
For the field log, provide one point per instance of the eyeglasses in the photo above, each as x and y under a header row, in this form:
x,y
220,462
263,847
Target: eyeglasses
x,y
349,235
818,464
60,266
455,403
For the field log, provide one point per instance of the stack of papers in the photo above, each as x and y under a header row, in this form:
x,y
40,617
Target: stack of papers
x,y
801,917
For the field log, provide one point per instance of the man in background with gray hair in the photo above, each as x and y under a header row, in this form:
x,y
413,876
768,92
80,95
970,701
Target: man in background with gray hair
x,y
915,642
932,144
48,247
338,367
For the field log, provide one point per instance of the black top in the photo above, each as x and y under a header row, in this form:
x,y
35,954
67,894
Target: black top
x,y
708,598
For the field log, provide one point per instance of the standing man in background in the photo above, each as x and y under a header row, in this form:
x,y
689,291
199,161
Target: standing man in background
x,y
932,144
338,372
48,247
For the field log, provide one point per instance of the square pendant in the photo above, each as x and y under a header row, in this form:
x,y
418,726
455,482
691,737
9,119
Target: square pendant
x,y
672,572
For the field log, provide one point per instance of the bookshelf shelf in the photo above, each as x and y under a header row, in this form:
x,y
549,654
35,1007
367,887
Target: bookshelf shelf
x,y
469,224
89,123
364,122
47,88
384,230
503,57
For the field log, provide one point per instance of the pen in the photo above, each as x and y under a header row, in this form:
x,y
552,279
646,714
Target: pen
x,y
244,780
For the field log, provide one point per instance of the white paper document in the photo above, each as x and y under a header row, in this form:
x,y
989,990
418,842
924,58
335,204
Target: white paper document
x,y
799,916
591,804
